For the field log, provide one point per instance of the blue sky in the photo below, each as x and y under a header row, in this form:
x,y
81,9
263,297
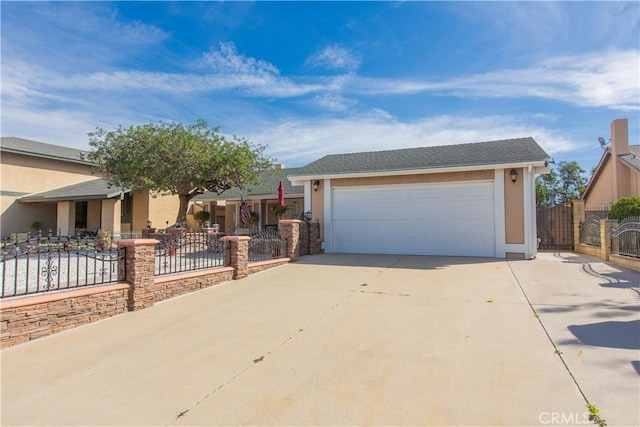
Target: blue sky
x,y
307,79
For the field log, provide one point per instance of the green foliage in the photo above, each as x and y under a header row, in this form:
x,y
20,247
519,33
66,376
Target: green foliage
x,y
178,159
625,208
280,210
594,415
563,184
201,216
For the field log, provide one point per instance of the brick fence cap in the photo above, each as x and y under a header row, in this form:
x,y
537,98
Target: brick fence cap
x,y
236,238
290,221
138,242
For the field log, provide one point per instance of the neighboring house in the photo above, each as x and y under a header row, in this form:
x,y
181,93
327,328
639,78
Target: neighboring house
x,y
57,187
262,199
618,172
463,200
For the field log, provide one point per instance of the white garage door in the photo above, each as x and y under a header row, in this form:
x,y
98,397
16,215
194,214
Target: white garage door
x,y
427,219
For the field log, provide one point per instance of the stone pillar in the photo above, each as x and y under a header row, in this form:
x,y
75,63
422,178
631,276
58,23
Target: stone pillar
x,y
290,230
578,217
140,261
605,237
315,244
238,256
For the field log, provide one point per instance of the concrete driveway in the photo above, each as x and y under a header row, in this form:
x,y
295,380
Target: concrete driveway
x,y
336,340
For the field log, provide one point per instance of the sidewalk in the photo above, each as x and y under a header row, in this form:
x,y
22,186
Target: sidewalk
x,y
591,311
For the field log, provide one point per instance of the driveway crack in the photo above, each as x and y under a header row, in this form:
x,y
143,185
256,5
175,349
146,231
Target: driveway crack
x,y
261,358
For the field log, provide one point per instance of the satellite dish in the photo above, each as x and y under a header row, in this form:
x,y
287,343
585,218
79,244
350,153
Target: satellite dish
x,y
602,142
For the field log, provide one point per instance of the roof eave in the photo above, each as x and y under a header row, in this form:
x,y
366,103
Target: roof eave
x,y
540,165
46,156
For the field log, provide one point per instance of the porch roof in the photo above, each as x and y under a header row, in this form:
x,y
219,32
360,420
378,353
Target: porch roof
x,y
267,187
96,189
503,152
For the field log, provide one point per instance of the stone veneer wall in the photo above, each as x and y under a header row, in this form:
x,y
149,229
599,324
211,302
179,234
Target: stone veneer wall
x,y
25,319
34,316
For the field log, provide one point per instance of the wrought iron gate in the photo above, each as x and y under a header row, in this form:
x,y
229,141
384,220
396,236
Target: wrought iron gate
x,y
555,227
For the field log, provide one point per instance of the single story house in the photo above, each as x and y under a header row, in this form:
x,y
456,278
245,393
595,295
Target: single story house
x,y
618,172
463,200
57,188
262,200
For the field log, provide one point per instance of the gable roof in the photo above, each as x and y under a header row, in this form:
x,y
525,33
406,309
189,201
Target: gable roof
x,y
267,186
632,159
509,151
28,147
96,189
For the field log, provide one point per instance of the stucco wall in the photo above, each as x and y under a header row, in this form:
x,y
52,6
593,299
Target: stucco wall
x,y
514,208
414,179
601,190
161,209
21,175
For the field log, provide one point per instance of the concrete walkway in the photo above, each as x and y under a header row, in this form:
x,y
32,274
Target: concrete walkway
x,y
337,340
591,311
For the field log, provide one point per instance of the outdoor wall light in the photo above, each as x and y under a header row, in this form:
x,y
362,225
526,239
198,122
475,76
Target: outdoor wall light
x,y
316,185
148,224
514,175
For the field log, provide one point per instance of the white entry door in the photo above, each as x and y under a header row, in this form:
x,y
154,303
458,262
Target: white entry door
x,y
426,219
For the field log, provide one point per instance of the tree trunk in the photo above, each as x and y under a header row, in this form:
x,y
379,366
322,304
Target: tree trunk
x,y
182,210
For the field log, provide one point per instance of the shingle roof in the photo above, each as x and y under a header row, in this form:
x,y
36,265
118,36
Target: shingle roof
x,y
633,158
508,151
88,190
268,186
40,149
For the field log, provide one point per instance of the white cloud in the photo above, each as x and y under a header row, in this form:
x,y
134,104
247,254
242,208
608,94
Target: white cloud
x,y
602,79
226,60
382,132
334,102
335,57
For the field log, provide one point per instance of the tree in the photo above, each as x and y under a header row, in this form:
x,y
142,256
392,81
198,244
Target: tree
x,y
563,184
172,158
625,207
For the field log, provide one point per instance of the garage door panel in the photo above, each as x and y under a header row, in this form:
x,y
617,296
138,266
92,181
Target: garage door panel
x,y
435,219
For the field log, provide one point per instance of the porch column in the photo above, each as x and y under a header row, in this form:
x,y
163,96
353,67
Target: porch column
x,y
110,216
66,218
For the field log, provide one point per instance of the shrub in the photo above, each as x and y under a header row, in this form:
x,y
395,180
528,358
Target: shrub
x,y
625,207
201,216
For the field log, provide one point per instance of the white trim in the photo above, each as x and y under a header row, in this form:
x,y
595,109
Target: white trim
x,y
529,195
299,179
307,196
499,216
328,218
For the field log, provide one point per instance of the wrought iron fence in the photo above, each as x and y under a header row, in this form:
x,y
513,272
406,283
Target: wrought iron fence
x,y
43,264
625,239
267,245
189,251
590,231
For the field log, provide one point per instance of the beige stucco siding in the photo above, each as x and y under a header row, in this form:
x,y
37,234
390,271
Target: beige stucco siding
x,y
601,190
514,208
160,210
21,175
415,179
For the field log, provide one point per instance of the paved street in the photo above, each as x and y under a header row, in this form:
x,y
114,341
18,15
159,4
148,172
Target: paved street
x,y
351,340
